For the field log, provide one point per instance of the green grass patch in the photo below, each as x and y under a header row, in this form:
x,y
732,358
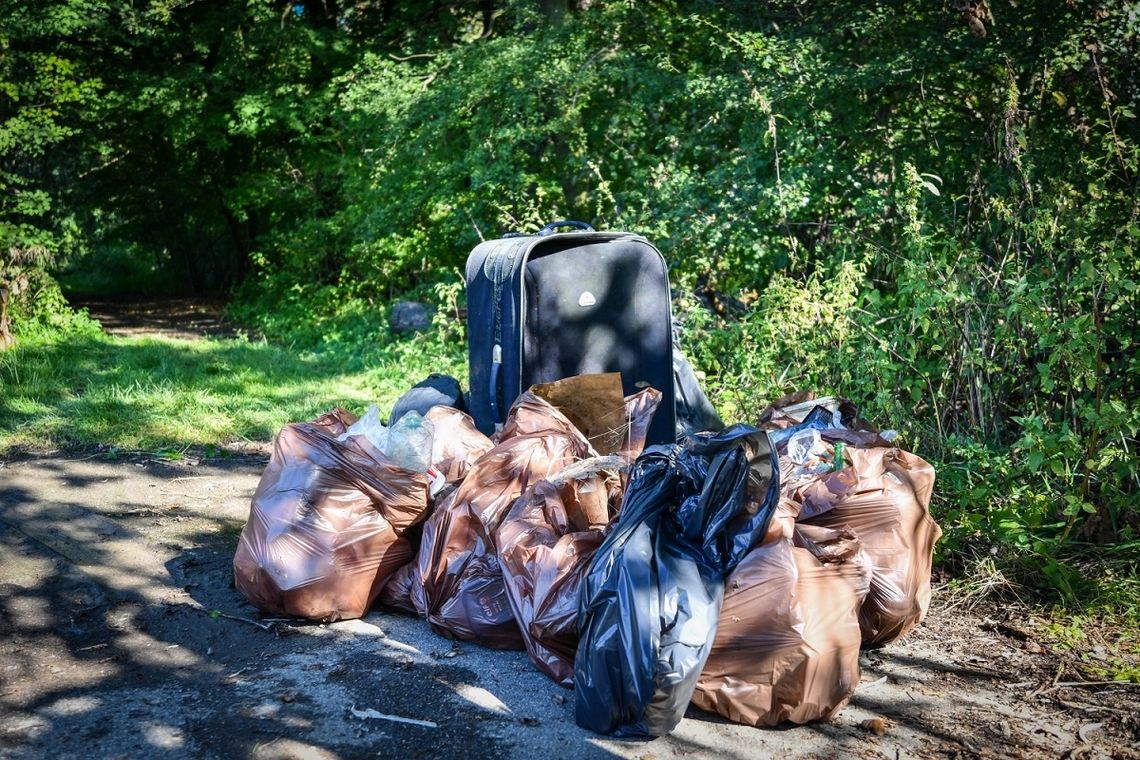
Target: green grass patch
x,y
1103,645
79,390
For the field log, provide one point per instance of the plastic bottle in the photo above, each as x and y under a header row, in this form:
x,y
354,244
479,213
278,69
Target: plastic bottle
x,y
409,442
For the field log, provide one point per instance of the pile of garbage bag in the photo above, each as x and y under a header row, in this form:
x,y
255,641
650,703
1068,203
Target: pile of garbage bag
x,y
460,588
739,571
846,563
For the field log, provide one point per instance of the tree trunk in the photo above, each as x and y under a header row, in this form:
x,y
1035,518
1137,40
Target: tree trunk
x,y
242,236
7,340
488,9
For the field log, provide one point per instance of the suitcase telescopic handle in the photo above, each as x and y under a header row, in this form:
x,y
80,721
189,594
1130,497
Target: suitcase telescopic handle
x,y
496,367
551,228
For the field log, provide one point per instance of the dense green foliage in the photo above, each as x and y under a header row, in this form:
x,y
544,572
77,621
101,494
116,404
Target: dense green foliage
x,y
930,208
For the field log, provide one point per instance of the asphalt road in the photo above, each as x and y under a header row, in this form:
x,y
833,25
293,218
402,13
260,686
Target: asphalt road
x,y
122,636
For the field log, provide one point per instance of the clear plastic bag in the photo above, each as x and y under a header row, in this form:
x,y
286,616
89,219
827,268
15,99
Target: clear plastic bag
x,y
407,444
370,427
808,452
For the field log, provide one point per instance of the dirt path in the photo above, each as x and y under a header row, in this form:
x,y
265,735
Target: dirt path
x,y
185,318
121,636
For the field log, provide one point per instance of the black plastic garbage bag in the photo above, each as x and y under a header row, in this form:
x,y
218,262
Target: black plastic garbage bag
x,y
435,390
739,494
695,413
651,599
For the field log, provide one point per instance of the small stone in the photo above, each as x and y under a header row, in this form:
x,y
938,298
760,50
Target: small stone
x,y
1087,731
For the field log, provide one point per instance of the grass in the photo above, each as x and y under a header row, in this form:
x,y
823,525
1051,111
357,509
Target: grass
x,y
87,388
1097,632
983,580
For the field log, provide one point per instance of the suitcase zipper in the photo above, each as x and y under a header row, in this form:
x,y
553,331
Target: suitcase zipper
x,y
498,268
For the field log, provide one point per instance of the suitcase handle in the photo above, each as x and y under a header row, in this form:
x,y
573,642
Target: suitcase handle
x,y
496,366
550,228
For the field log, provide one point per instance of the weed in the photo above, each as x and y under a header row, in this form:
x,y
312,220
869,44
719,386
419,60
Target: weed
x,y
1103,644
983,580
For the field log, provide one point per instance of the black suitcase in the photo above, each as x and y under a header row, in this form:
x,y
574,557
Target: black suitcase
x,y
559,304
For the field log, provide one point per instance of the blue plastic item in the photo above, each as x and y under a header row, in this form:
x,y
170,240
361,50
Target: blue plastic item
x,y
651,599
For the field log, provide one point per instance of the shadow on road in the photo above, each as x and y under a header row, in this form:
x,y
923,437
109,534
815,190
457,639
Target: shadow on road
x,y
121,635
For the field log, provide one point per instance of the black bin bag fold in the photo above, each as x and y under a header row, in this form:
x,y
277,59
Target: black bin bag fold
x,y
651,599
435,390
695,413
